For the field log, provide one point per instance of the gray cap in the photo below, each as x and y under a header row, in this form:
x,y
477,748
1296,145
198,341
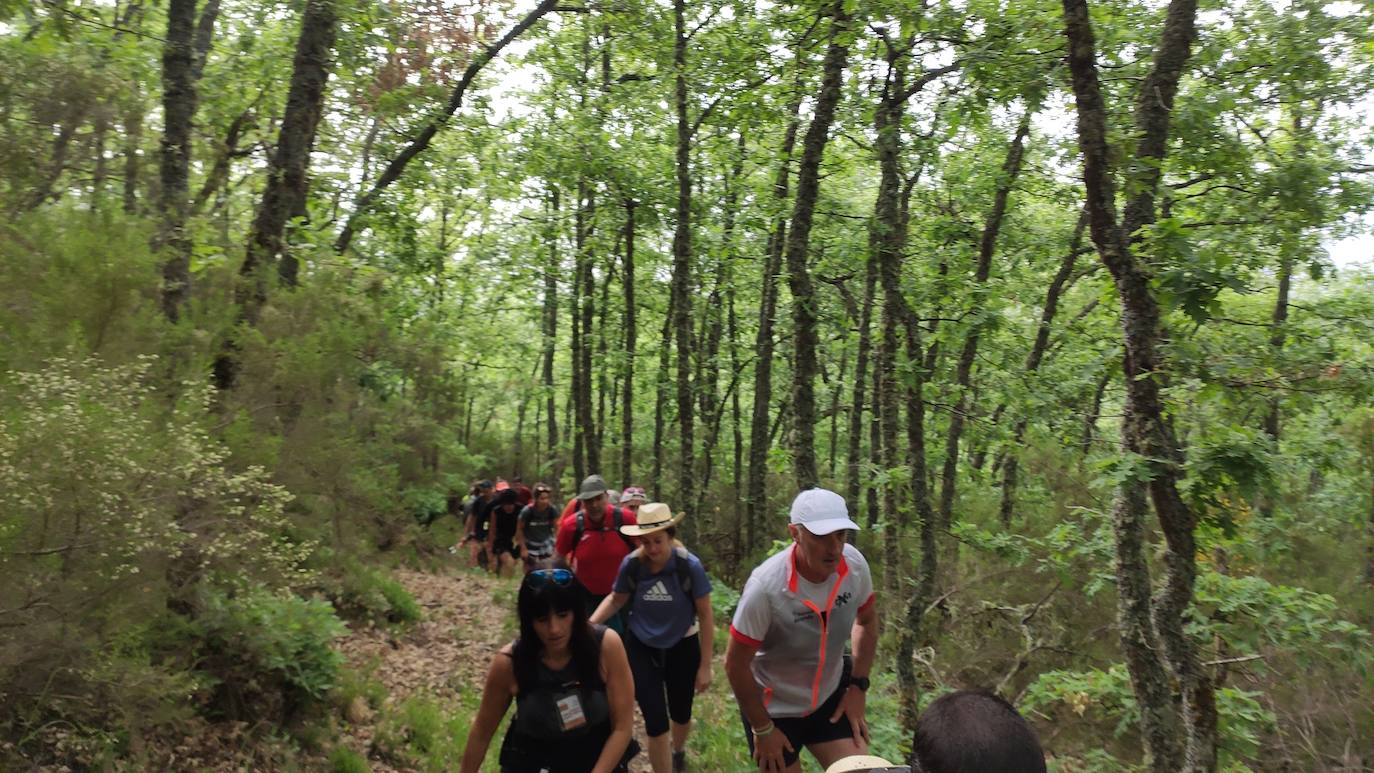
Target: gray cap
x,y
593,487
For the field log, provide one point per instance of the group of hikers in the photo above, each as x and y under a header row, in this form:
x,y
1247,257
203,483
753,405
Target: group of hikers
x,y
614,610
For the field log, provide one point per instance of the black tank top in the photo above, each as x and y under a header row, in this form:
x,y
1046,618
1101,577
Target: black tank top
x,y
536,741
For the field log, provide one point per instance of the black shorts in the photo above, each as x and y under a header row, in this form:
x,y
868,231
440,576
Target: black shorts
x,y
815,727
665,680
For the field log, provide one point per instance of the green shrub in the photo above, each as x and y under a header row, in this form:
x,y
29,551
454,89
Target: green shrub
x,y
345,760
270,652
364,593
424,734
359,683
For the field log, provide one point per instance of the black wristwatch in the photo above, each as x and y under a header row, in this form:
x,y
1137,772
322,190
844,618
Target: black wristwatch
x,y
860,682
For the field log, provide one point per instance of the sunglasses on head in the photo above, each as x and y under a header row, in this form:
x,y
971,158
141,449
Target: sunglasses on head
x,y
541,577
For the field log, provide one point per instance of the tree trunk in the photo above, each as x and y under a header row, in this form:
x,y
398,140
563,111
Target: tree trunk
x,y
133,139
737,446
586,420
1010,464
1146,431
1277,337
284,196
682,257
987,245
661,384
218,176
756,499
603,386
178,111
627,395
287,185
856,407
804,336
551,271
579,339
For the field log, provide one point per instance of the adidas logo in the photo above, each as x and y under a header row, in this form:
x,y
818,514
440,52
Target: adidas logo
x,y
659,592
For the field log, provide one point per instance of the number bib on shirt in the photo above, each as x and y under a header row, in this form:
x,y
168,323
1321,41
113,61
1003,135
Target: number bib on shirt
x,y
570,714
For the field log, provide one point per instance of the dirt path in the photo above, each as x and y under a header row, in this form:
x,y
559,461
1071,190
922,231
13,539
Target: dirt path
x,y
467,617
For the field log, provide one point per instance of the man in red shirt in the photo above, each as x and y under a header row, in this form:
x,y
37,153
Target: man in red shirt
x,y
594,551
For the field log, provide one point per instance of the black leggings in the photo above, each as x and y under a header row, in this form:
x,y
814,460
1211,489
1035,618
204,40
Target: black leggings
x,y
664,673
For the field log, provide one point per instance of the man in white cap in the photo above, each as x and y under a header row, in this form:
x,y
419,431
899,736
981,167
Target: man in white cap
x,y
785,659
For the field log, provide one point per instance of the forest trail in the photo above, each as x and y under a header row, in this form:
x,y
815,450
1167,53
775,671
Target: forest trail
x,y
467,616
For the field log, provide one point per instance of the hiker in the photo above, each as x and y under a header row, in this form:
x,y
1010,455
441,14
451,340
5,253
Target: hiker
x,y
632,498
785,658
670,631
475,513
974,731
590,542
571,683
536,528
505,517
526,494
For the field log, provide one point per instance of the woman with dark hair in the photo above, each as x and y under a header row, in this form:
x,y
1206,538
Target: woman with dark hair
x,y
571,683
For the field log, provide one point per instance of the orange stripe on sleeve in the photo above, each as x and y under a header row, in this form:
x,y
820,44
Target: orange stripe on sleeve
x,y
748,641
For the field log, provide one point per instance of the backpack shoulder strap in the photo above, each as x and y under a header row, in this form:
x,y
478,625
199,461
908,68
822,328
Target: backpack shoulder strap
x,y
684,571
580,526
632,571
619,514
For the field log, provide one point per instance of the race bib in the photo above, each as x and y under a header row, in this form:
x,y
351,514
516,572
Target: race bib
x,y
570,714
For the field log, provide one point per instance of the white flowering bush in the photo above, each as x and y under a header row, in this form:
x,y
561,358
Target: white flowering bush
x,y
116,509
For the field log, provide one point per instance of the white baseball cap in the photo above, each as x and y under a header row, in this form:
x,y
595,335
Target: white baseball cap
x,y
860,763
821,512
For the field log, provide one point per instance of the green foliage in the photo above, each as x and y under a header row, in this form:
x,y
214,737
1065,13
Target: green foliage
x,y
266,647
359,684
423,733
344,760
1105,698
368,594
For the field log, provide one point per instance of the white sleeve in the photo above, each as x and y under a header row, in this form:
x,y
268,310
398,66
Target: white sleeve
x,y
753,616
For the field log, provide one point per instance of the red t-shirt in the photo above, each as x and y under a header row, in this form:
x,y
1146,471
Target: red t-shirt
x,y
596,559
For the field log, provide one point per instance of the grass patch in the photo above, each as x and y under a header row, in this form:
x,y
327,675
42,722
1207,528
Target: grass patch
x,y
345,760
428,734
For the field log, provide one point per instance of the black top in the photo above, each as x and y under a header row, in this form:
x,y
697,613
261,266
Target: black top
x,y
503,523
537,739
482,509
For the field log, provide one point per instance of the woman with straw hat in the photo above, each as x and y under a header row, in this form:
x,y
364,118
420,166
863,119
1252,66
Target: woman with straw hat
x,y
669,636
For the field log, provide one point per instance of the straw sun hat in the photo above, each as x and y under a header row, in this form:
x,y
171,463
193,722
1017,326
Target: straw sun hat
x,y
655,516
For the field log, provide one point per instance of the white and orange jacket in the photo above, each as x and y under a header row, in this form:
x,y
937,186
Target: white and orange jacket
x,y
800,628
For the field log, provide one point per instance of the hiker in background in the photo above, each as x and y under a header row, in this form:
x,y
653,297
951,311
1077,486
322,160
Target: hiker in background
x,y
536,529
526,495
632,498
505,518
475,513
670,631
571,683
590,542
